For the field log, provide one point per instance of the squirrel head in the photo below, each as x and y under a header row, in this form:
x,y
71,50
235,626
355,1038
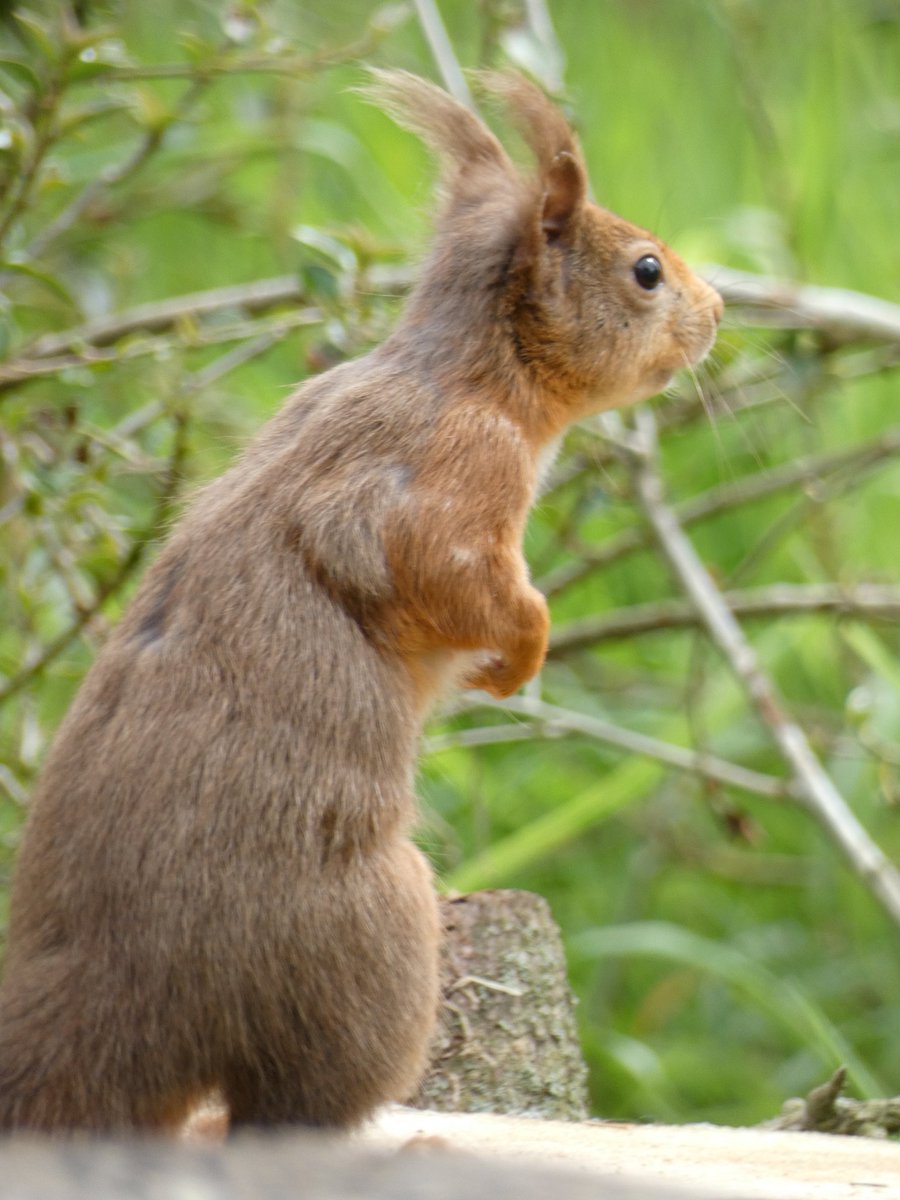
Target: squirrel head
x,y
600,312
605,304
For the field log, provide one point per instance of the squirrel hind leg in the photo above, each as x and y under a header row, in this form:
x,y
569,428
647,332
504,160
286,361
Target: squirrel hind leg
x,y
328,1057
263,1093
328,1087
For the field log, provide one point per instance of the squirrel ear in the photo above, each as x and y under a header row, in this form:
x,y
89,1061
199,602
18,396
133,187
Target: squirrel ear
x,y
565,187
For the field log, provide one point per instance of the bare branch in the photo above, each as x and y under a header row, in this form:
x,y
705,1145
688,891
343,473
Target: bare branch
x,y
488,735
554,58
548,720
160,315
293,65
841,314
442,49
712,503
24,369
872,601
818,792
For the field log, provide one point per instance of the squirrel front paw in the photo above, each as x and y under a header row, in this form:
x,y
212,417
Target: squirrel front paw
x,y
495,677
501,678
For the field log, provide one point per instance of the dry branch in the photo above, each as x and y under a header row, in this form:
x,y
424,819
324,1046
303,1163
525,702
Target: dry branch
x,y
869,601
548,720
162,315
161,513
825,1110
25,369
842,315
809,470
817,790
442,50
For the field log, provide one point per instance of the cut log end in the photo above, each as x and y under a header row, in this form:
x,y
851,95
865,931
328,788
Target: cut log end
x,y
506,1039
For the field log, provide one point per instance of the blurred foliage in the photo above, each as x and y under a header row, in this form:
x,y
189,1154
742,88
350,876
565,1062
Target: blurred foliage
x,y
724,955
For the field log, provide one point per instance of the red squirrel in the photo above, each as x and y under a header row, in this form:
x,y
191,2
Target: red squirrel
x,y
217,887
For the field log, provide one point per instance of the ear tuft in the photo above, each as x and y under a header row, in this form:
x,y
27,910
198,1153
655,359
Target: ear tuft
x,y
565,188
460,138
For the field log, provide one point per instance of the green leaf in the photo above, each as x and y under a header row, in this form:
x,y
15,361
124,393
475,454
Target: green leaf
x,y
39,34
779,998
44,278
505,859
98,56
75,118
873,652
21,70
79,71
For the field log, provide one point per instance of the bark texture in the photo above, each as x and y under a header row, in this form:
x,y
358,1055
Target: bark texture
x,y
825,1110
506,1039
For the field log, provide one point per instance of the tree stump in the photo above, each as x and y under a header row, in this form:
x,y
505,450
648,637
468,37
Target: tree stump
x,y
506,1039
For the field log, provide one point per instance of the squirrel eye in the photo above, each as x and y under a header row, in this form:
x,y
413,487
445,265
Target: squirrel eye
x,y
648,272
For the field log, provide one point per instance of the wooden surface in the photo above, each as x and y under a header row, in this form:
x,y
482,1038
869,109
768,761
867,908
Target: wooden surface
x,y
701,1161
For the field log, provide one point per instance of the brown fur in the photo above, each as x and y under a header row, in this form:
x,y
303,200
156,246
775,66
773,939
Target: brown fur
x,y
216,886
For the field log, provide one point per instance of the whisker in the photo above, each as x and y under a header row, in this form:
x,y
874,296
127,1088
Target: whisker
x,y
708,409
708,375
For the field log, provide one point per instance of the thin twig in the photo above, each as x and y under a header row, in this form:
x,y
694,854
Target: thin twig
x,y
108,588
200,77
869,601
841,314
46,106
24,370
293,65
489,735
817,790
160,315
715,501
538,17
115,174
442,49
230,361
161,514
550,720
